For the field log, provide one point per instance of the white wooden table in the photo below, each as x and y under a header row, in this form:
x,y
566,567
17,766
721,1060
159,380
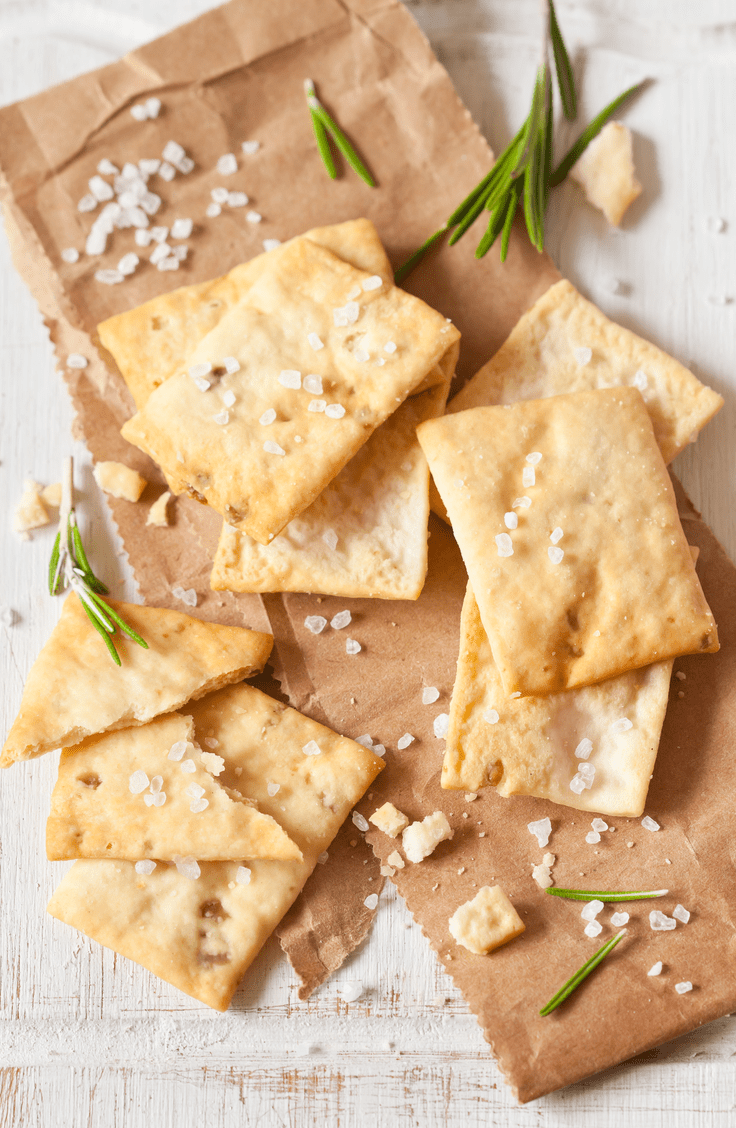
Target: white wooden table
x,y
89,1039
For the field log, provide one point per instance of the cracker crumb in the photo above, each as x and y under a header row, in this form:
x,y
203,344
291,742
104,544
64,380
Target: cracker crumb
x,y
119,481
157,514
486,922
420,839
390,820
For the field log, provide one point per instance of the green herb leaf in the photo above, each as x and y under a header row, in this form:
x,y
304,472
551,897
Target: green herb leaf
x,y
54,566
563,68
582,973
589,133
321,122
407,267
103,633
323,145
604,895
509,221
104,606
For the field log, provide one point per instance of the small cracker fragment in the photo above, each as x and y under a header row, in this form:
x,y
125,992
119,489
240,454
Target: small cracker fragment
x,y
538,359
486,922
389,819
201,935
51,495
395,859
74,691
157,514
31,512
605,172
531,749
421,838
119,480
619,591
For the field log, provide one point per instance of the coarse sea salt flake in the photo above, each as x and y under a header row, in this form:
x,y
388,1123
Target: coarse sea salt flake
x,y
273,448
187,866
177,750
311,748
390,347
315,342
584,748
577,784
138,782
583,355
352,646
271,244
171,262
149,799
242,875
404,741
237,200
371,901
521,503
315,623
312,383
649,824
250,147
528,477
194,791
556,535
365,740
109,277
228,398
187,596
346,315
600,825
290,378
146,866
504,544
373,283
330,538
222,418
128,263
351,992
441,725
156,784
198,805
587,771
640,381
490,716
87,203
619,919
681,913
591,910
202,384
334,411
353,294
361,355
555,554
107,168
341,620
188,766
272,788
430,694
173,152
658,922
655,969
360,821
227,164
510,520
253,217
231,365
202,369
167,171
593,929
317,405
683,988
268,417
623,724
212,211
70,255
76,360
181,228
542,829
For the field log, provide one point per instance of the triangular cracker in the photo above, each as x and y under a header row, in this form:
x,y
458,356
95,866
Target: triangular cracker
x,y
567,522
527,745
365,535
201,935
153,341
94,813
259,475
545,356
74,690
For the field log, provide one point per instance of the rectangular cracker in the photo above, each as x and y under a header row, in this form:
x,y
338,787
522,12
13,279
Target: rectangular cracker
x,y
74,690
374,512
153,341
94,813
538,359
625,593
259,477
201,935
530,748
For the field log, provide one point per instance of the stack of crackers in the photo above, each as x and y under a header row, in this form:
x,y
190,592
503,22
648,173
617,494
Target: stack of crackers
x,y
197,805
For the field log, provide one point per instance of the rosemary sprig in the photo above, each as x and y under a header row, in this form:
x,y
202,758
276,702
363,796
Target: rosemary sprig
x,y
324,127
523,172
69,567
604,895
582,973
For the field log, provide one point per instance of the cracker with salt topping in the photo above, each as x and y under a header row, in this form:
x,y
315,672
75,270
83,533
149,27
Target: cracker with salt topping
x,y
366,534
201,935
73,691
528,745
546,355
105,803
153,341
319,404
568,526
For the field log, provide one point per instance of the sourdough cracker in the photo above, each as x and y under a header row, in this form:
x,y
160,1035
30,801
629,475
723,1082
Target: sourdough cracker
x,y
201,934
538,359
366,533
74,691
596,578
605,172
212,444
153,341
527,745
94,813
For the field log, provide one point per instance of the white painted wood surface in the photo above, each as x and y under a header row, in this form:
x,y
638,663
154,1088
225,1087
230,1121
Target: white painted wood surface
x,y
89,1039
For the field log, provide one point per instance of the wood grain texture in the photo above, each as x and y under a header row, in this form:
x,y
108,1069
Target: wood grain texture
x,y
90,1039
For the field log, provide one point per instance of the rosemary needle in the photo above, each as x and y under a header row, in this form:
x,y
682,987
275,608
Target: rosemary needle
x,y
69,567
325,126
604,895
582,973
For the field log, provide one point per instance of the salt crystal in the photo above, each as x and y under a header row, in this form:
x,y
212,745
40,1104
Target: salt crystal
x,y
683,988
150,203
361,355
379,749
587,771
404,741
430,694
441,725
556,535
237,200
211,742
273,448
584,749
76,360
334,411
153,107
593,929
351,992
591,910
212,211
528,477
148,799
542,829
167,171
138,782
346,315
661,923
181,228
194,791
250,147
365,740
315,623
715,225
311,748
187,866
510,520
681,913
158,254
142,236
231,364
107,168
188,596
371,901
521,503
149,166
173,152
655,969
8,617
228,398
353,293
128,263
272,788
202,369
649,824
145,867
156,784
198,805
87,203
583,355
159,799
188,766
577,784
640,381
390,347
243,875
504,545
202,384
680,675
592,837
70,254
267,418
555,555
341,620
534,458
330,538
222,417
317,405
490,716
177,750
109,277
352,647
316,343
373,283
227,164
619,919
313,383
600,825
100,189
271,244
360,822
139,112
137,217
290,378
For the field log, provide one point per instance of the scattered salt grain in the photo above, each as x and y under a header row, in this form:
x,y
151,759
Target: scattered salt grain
x,y
148,799
317,405
187,866
373,283
158,254
128,263
649,824
555,555
334,411
159,799
352,646
510,520
272,788
661,923
655,969
146,866
198,805
222,418
181,228
109,277
353,293
238,200
577,784
330,538
619,919
194,791
600,825
253,217
583,356
542,829
173,153
70,254
311,748
242,875
521,503
360,822
623,724
202,384
313,383
271,244
290,378
556,535
87,203
430,694
683,988
371,901
365,740
361,355
680,675
138,782
187,596
341,620
149,166
681,913
591,910
528,477
212,211
441,725
267,418
490,716
346,315
76,360
250,147
188,766
592,837
351,992
715,225
8,617
227,164
107,168
390,347
640,381
315,623
273,448
584,748
322,858
156,784
593,929
177,750
504,545
100,189
404,741
228,398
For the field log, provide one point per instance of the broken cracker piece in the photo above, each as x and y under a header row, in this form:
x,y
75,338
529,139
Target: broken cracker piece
x,y
119,480
51,495
605,172
389,819
421,838
157,514
486,922
31,512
